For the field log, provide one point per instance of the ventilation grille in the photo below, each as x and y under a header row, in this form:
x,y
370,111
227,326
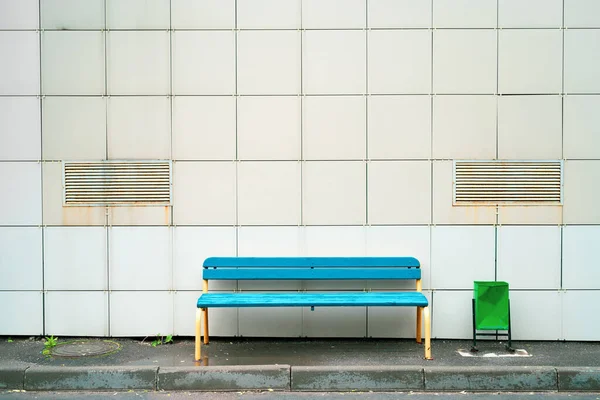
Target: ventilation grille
x,y
507,182
120,183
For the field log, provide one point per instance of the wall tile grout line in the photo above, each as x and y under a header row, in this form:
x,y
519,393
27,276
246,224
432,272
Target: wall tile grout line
x,y
41,115
108,213
237,221
366,128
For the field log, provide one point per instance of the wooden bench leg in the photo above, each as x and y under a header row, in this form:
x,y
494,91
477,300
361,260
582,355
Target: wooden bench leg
x,y
419,323
205,321
198,354
427,333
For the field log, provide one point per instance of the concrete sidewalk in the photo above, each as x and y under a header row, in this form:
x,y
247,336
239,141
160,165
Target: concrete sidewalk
x,y
304,365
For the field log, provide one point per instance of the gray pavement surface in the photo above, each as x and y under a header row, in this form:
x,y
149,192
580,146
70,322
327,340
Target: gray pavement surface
x,y
238,364
134,395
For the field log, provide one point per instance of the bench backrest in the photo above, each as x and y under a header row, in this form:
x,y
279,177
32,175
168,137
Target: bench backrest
x,y
310,268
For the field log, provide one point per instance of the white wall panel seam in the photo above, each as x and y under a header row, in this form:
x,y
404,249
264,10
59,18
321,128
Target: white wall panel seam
x,y
171,99
366,154
41,167
236,39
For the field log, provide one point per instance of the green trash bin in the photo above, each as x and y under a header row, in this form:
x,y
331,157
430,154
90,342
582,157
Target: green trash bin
x,y
491,310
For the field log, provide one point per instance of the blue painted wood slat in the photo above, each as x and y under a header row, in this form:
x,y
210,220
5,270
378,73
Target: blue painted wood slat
x,y
312,299
299,262
311,274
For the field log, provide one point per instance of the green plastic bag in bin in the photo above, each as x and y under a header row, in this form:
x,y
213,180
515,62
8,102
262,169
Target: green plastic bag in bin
x,y
491,305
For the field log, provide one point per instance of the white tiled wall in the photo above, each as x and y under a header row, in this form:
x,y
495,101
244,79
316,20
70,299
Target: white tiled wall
x,y
24,316
582,61
464,60
325,14
269,193
76,313
464,127
399,127
334,193
529,61
268,128
529,127
204,193
72,14
581,195
21,184
141,313
74,128
20,70
399,13
581,257
296,127
203,14
334,62
139,128
21,258
582,14
75,258
581,134
203,62
279,69
137,14
204,128
530,13
21,15
388,70
73,63
138,62
579,323
536,315
286,321
334,128
269,14
529,256
140,258
334,322
452,316
389,203
461,255
464,13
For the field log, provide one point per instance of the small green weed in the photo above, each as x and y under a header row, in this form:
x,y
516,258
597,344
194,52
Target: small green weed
x,y
9,340
161,340
49,343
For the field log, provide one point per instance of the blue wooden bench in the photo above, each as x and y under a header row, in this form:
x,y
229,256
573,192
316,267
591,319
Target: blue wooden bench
x,y
312,268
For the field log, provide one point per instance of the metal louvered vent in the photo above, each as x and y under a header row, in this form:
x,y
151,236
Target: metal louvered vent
x,y
117,183
507,182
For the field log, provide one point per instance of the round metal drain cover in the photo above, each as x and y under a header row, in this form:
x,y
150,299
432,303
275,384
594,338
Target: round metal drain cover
x,y
85,348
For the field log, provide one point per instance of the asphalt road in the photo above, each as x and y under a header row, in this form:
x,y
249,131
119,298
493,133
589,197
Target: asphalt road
x,y
142,395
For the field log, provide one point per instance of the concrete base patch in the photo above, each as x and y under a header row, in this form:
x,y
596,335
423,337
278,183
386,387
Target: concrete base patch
x,y
90,378
252,377
357,378
576,379
491,378
483,354
12,377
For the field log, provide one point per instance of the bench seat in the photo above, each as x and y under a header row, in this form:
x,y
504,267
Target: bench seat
x,y
312,269
406,299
